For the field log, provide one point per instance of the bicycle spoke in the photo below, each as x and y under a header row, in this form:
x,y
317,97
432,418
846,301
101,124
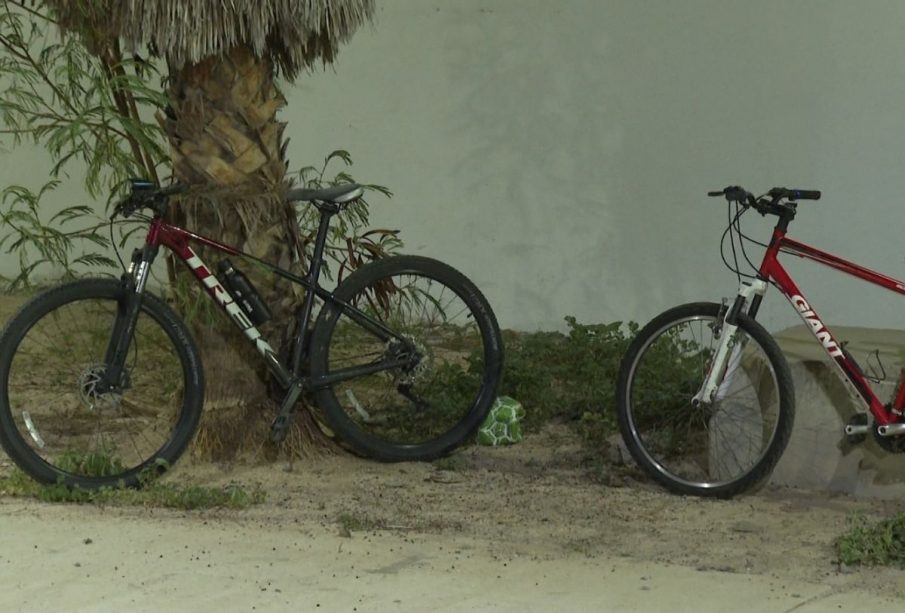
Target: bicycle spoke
x,y
691,443
407,405
53,413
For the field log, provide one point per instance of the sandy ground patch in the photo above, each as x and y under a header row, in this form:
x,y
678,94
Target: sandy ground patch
x,y
519,528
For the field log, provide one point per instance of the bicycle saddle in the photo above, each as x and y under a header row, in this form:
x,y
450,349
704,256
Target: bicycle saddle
x,y
337,194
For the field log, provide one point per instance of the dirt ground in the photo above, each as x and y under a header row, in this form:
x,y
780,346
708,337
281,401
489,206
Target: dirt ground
x,y
518,528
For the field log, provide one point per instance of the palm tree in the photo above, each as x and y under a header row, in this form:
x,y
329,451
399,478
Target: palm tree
x,y
221,122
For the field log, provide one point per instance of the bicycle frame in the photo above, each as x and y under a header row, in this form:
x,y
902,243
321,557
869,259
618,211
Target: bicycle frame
x,y
290,376
772,270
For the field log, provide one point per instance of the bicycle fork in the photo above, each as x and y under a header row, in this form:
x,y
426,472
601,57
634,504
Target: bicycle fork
x,y
133,282
728,352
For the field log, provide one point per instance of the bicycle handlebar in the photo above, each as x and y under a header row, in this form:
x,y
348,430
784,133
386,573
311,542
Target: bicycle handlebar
x,y
795,194
734,193
147,194
771,202
176,188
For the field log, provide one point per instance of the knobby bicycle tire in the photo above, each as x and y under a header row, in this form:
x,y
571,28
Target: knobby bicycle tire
x,y
696,450
453,327
57,428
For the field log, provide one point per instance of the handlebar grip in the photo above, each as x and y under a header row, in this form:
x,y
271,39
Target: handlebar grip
x,y
732,192
804,194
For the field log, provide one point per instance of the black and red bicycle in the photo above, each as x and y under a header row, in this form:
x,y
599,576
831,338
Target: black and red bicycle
x,y
705,396
101,382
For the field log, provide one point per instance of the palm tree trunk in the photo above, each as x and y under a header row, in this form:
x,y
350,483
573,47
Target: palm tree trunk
x,y
224,135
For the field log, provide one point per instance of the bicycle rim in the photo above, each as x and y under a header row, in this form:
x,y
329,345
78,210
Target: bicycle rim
x,y
57,413
709,445
440,396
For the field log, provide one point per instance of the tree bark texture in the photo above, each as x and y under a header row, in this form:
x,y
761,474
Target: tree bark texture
x,y
226,141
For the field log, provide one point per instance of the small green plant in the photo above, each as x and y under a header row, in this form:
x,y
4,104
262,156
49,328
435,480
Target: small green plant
x,y
571,377
96,464
351,243
349,522
176,496
93,114
568,377
873,544
157,494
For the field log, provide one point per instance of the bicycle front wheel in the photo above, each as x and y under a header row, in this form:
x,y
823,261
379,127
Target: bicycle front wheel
x,y
55,423
718,449
447,330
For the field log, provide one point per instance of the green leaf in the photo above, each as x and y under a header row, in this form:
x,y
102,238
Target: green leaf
x,y
94,259
341,154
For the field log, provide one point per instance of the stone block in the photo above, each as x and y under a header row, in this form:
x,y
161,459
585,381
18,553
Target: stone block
x,y
818,455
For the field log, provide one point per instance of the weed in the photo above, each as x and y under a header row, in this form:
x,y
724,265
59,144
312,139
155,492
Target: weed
x,y
92,464
572,377
877,544
349,522
157,494
568,377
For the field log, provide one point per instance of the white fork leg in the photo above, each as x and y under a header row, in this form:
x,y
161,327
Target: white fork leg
x,y
718,365
728,354
732,368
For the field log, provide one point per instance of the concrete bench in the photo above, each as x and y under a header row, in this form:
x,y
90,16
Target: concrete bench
x,y
818,456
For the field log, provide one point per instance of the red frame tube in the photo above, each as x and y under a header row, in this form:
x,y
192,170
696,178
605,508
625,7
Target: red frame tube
x,y
177,239
771,269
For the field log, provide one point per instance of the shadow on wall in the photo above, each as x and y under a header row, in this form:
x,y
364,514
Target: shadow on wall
x,y
544,139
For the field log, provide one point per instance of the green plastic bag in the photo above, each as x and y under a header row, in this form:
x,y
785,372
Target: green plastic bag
x,y
503,424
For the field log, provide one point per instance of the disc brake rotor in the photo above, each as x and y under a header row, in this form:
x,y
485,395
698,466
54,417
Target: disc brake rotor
x,y
92,398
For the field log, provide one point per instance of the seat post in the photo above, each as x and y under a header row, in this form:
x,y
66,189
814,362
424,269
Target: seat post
x,y
320,242
303,315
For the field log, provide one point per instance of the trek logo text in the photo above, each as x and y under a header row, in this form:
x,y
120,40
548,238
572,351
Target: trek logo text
x,y
226,301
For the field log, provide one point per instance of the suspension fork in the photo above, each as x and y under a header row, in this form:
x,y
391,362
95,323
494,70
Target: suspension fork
x,y
728,352
133,283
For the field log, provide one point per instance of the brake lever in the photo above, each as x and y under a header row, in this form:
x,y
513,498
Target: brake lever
x,y
137,199
119,209
735,193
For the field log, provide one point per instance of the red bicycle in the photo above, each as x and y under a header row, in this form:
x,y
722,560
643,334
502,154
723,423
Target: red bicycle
x,y
705,396
101,382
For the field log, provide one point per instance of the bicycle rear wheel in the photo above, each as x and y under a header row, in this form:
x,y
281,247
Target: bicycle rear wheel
x,y
57,427
430,406
718,449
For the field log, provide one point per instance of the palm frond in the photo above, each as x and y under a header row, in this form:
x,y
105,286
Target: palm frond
x,y
295,34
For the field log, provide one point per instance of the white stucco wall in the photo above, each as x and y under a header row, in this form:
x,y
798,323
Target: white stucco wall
x,y
558,152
